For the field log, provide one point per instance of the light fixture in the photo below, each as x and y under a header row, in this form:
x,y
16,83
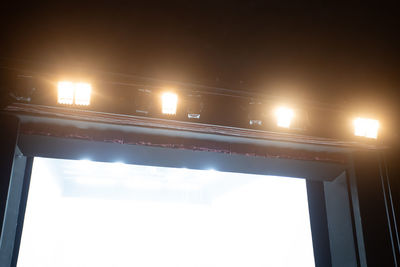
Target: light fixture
x,y
82,93
255,113
66,92
143,102
169,103
284,116
70,93
194,106
366,127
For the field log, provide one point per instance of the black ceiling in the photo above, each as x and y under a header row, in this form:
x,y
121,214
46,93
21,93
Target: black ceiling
x,y
343,54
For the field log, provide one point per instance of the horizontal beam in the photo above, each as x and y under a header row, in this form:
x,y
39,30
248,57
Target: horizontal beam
x,y
157,123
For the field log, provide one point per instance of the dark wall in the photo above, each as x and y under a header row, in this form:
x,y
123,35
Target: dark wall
x,y
9,126
335,52
376,209
393,170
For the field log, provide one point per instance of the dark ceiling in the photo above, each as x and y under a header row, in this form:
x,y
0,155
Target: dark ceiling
x,y
341,54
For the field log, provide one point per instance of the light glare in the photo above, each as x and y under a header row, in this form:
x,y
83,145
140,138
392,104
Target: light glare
x,y
284,116
82,93
70,93
169,103
366,127
182,216
65,93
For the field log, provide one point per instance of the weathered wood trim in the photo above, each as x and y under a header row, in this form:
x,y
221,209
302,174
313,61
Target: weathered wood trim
x,y
114,136
85,115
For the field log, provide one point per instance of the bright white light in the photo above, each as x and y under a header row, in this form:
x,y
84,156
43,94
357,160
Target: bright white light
x,y
66,93
69,91
284,116
366,127
169,103
82,93
193,116
255,122
155,216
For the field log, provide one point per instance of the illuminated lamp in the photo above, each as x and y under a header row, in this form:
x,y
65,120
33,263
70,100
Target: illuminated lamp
x,y
82,94
169,103
284,116
366,127
66,92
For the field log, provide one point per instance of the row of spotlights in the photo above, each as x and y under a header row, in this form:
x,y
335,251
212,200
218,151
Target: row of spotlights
x,y
362,126
80,93
74,93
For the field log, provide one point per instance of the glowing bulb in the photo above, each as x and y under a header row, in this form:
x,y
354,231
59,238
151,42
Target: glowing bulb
x,y
65,93
169,103
82,93
366,127
284,116
78,93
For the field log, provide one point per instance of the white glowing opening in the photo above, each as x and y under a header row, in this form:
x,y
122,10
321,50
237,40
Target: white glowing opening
x,y
169,103
284,116
65,93
83,213
366,127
